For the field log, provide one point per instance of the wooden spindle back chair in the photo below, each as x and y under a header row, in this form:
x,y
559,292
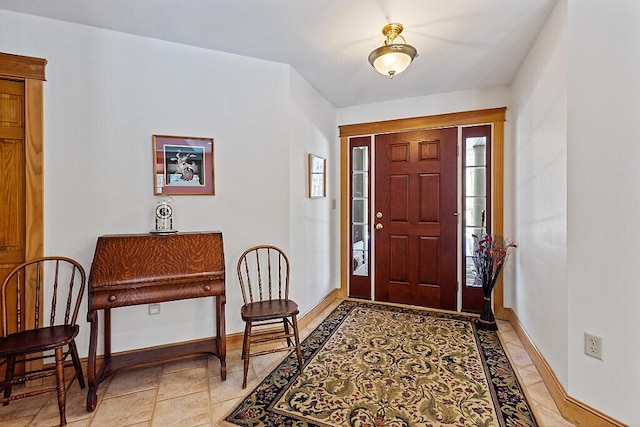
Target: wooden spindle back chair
x,y
263,272
40,301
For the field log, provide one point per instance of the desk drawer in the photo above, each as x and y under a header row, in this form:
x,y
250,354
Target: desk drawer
x,y
110,298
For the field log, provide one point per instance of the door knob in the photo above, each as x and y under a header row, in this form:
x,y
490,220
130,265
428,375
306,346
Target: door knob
x,y
379,226
379,215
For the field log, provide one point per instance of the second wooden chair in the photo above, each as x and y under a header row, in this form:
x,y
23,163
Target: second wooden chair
x,y
263,272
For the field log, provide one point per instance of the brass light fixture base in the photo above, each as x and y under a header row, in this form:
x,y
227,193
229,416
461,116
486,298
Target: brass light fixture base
x,y
391,31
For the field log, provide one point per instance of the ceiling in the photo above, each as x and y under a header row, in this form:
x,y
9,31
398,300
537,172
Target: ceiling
x,y
462,44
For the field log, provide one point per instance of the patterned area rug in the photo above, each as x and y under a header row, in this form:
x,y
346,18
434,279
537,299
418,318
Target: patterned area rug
x,y
377,365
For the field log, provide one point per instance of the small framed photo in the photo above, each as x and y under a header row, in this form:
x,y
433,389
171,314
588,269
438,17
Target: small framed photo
x,y
183,165
317,176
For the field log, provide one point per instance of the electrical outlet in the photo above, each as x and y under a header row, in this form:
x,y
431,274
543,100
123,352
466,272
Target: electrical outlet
x,y
154,309
593,346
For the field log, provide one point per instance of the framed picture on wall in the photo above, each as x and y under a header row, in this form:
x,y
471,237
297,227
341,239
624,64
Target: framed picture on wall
x,y
317,176
183,165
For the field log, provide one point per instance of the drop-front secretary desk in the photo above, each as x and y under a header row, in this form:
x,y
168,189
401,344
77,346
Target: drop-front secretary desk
x,y
150,268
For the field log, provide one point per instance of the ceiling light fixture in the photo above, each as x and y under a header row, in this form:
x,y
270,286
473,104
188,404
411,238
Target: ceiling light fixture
x,y
392,58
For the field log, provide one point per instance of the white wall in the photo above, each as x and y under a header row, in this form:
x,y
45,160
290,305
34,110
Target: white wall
x,y
539,115
451,102
313,221
107,93
576,101
604,204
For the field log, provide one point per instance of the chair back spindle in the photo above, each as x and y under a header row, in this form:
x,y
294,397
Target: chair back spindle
x,y
259,269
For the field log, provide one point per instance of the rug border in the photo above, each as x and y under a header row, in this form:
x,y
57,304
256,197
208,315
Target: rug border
x,y
492,388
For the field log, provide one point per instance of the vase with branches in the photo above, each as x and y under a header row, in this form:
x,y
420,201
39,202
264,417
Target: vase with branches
x,y
490,254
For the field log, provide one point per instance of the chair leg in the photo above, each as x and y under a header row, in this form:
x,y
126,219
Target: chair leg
x,y
297,338
76,362
286,331
246,344
62,395
8,377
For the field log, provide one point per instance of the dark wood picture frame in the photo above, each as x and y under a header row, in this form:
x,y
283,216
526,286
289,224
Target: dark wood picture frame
x,y
183,165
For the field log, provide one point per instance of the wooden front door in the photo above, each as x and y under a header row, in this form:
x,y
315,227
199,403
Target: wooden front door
x,y
415,218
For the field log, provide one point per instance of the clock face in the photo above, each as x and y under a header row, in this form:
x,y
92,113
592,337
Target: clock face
x,y
163,211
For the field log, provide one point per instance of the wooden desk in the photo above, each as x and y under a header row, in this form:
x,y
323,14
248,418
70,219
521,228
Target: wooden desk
x,y
151,268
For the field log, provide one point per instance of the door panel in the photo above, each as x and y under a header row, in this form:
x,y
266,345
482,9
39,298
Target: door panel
x,y
429,198
12,176
399,252
429,271
415,241
399,195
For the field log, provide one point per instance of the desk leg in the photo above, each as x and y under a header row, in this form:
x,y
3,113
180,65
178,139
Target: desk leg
x,y
107,335
221,335
92,318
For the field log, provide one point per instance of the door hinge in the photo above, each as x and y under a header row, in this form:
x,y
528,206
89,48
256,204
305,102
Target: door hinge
x,y
458,150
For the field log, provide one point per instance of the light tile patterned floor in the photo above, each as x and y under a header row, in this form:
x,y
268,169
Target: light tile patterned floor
x,y
189,392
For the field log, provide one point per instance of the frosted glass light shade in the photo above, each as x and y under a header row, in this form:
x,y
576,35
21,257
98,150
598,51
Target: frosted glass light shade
x,y
392,59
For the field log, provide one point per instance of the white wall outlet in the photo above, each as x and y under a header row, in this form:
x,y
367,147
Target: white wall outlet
x,y
154,309
593,346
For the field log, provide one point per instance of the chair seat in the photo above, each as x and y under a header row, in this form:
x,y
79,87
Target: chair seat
x,y
266,310
37,340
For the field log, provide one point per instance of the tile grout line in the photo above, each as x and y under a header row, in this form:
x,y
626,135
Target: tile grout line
x,y
157,392
209,389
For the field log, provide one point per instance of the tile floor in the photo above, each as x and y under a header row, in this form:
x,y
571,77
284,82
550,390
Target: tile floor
x,y
188,392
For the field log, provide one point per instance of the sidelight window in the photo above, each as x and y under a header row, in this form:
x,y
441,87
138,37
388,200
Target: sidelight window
x,y
360,211
476,204
360,244
475,197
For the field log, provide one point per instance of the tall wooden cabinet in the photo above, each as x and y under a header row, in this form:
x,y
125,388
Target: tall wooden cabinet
x,y
21,171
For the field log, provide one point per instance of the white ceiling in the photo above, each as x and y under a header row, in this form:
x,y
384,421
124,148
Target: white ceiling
x,y
462,44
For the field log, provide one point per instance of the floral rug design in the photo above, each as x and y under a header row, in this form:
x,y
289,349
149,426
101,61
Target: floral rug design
x,y
370,364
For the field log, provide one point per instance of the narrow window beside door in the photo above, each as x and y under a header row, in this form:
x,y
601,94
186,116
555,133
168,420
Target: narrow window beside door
x,y
476,144
360,282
